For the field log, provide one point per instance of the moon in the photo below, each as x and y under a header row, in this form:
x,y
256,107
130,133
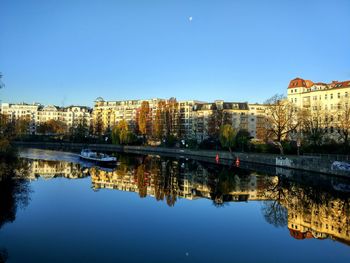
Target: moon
x,y
190,18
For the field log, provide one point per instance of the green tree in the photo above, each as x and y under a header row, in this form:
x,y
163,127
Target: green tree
x,y
121,133
79,132
227,136
8,132
242,139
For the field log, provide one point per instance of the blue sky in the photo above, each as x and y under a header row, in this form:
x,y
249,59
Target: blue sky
x,y
70,52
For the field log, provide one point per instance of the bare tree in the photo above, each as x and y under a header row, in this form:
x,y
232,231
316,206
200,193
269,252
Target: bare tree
x,y
215,122
313,124
343,123
282,118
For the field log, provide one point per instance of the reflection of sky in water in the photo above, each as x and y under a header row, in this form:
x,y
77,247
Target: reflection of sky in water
x,y
49,155
66,221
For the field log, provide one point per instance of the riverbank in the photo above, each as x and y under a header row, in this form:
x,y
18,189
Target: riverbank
x,y
318,164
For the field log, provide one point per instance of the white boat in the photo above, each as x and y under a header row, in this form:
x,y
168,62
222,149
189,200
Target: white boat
x,y
99,158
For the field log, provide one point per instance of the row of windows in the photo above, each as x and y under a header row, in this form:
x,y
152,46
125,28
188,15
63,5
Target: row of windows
x,y
331,96
332,107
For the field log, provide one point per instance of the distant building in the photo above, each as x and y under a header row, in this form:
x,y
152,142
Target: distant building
x,y
257,120
190,120
187,117
234,113
37,114
106,114
28,112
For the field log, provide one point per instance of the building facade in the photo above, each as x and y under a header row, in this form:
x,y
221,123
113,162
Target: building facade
x,y
329,102
37,114
207,115
24,111
106,114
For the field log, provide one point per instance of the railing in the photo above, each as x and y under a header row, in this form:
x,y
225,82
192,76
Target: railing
x,y
337,157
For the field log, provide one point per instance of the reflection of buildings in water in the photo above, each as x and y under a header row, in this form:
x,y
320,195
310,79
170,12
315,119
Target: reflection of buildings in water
x,y
185,182
309,219
50,169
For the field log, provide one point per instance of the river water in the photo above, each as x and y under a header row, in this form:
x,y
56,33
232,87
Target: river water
x,y
55,208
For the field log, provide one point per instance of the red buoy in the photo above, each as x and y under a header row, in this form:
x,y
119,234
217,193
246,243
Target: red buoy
x,y
217,158
237,162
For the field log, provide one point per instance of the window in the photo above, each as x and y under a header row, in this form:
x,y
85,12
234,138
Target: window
x,y
325,96
338,95
331,96
346,94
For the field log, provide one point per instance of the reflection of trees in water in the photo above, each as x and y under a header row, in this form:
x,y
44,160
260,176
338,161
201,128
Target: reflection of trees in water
x,y
309,202
275,214
163,176
14,193
225,180
14,190
3,255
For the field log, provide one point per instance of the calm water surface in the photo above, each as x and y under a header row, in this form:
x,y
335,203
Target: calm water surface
x,y
153,209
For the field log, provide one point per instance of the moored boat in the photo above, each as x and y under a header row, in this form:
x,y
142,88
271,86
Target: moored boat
x,y
98,158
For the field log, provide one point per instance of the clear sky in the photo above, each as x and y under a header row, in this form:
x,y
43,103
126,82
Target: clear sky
x,y
70,52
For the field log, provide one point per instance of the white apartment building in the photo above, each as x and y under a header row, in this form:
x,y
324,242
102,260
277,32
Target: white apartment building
x,y
331,99
187,116
234,113
257,120
72,116
25,111
37,114
109,113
